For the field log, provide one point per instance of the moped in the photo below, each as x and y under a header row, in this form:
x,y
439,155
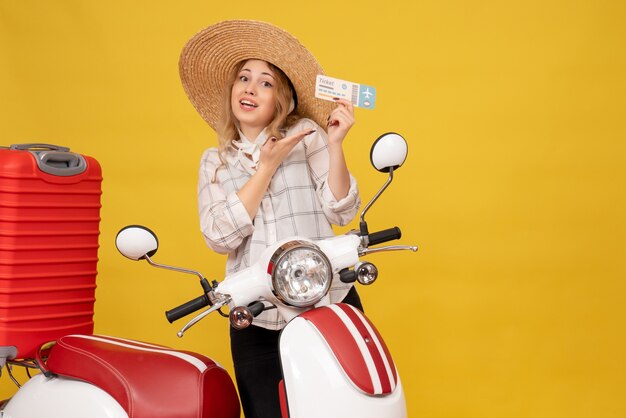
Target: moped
x,y
334,361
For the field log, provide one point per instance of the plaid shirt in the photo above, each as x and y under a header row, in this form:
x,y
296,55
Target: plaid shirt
x,y
298,202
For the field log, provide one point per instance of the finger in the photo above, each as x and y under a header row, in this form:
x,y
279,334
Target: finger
x,y
349,113
343,111
341,118
337,121
299,135
270,142
345,104
342,102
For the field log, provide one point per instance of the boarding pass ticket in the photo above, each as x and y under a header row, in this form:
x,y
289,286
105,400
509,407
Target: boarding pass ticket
x,y
360,95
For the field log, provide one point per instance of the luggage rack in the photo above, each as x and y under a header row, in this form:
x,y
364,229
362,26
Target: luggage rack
x,y
37,363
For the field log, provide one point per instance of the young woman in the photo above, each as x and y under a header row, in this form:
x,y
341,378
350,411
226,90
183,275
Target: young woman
x,y
279,170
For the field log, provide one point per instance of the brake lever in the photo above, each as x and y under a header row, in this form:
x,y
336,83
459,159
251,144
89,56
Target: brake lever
x,y
365,251
215,307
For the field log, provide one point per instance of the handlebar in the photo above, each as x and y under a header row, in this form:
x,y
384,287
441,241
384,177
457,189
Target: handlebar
x,y
384,236
202,301
187,308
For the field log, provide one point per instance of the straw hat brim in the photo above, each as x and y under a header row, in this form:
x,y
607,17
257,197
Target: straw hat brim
x,y
210,55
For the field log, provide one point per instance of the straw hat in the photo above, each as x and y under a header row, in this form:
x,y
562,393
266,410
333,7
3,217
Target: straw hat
x,y
208,58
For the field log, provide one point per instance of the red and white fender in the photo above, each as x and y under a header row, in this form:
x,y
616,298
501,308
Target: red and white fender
x,y
336,363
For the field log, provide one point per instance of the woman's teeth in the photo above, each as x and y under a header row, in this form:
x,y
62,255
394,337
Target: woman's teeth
x,y
247,103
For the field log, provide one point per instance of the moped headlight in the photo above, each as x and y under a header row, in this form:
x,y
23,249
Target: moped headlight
x,y
301,273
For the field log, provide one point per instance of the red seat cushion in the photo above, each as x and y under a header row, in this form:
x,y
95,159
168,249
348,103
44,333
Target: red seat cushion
x,y
147,380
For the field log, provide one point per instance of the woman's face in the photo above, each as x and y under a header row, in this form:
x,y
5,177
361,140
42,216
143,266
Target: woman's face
x,y
253,97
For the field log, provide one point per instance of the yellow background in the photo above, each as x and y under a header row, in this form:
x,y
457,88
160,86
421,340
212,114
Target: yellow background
x,y
514,185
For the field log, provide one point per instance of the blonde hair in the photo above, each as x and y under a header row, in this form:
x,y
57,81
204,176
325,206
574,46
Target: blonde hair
x,y
227,125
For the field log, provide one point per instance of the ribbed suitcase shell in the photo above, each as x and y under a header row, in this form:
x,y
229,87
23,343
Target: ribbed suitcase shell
x,y
49,228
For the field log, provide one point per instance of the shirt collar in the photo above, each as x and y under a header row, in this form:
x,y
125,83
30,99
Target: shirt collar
x,y
260,140
247,153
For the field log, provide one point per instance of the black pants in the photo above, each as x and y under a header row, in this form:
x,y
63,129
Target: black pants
x,y
257,366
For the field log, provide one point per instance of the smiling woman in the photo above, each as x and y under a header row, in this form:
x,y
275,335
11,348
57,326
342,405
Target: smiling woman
x,y
260,95
514,186
253,97
276,173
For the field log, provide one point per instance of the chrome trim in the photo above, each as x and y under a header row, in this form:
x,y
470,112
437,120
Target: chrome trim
x,y
197,318
365,270
178,269
240,310
284,250
365,251
377,195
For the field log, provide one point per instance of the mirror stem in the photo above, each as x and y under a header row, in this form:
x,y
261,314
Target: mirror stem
x,y
363,224
179,269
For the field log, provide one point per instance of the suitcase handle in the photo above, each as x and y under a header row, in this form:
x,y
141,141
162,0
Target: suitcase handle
x,y
54,159
51,147
60,163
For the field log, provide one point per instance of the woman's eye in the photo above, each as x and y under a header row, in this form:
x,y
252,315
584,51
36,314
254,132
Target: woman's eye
x,y
266,84
243,78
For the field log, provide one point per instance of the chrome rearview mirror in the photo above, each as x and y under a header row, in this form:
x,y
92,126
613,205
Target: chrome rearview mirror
x,y
388,152
136,242
140,243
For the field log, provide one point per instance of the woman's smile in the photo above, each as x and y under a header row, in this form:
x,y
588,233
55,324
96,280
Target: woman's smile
x,y
253,97
248,104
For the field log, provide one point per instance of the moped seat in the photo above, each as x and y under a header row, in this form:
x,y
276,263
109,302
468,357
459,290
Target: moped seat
x,y
148,381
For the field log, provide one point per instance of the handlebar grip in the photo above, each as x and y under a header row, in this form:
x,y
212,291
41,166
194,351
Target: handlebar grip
x,y
187,308
384,236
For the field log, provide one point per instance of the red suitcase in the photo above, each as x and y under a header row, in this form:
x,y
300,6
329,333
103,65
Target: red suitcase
x,y
49,228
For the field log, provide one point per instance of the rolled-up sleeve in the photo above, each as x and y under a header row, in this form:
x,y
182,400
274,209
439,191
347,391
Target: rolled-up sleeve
x,y
342,211
224,221
338,212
